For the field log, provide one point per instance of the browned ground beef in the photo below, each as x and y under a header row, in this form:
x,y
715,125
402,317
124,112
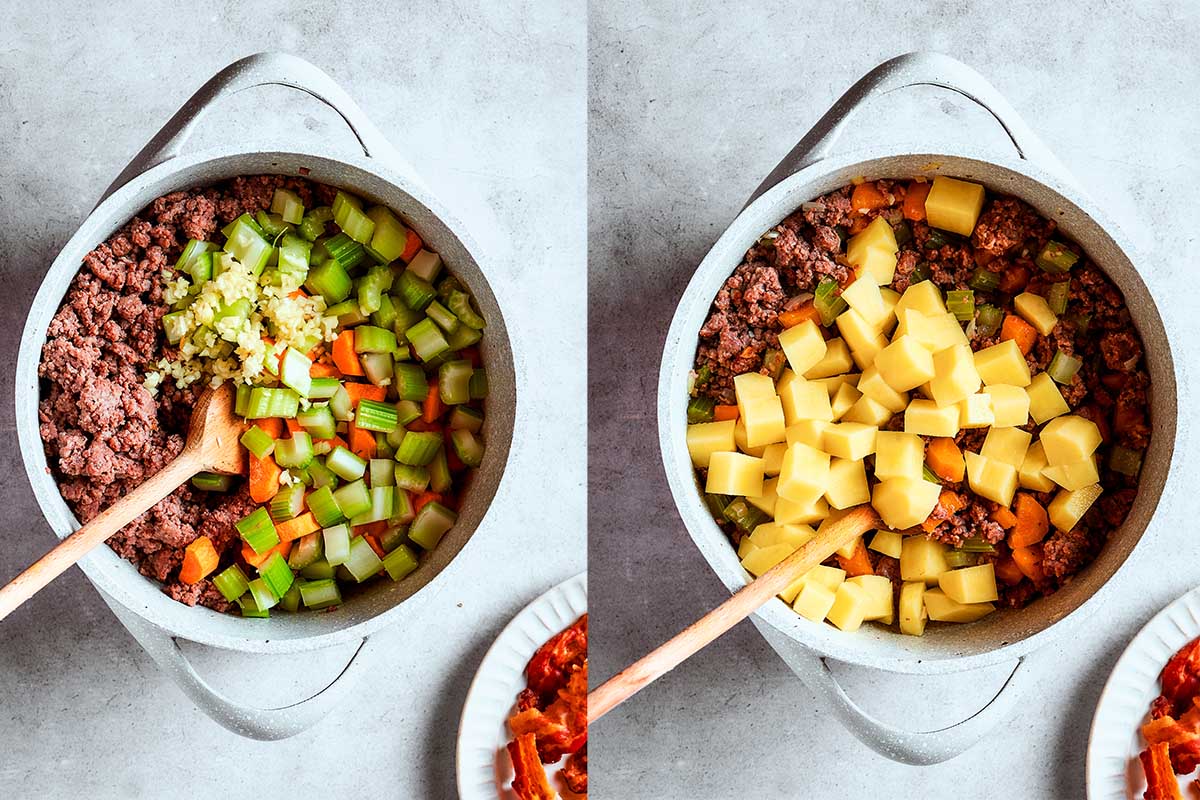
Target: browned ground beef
x,y
103,432
1110,389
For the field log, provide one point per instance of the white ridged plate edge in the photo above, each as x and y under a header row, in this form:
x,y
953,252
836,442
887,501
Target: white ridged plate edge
x,y
484,771
1113,770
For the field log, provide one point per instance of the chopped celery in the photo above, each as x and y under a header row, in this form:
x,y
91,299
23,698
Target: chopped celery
x,y
431,524
393,536
700,409
827,299
264,597
318,570
341,405
984,280
312,227
241,399
272,225
202,268
324,507
988,320
175,326
378,367
247,245
337,543
390,237
372,286
294,372
415,291
363,562
191,251
427,340
454,382
318,421
961,303
287,503
232,583
468,448
376,416
442,316
381,507
385,315
353,499
321,475
405,317
349,216
331,281
291,598
460,304
426,265
320,593
347,313
1057,296
369,339
345,251
1125,461
462,336
257,530
250,608
469,419
296,451
773,361
440,479
479,385
257,441
265,402
956,558
344,464
400,562
383,471
1063,367
402,508
287,204
414,479
744,515
929,475
382,448
276,574
293,257
411,383
323,388
212,482
308,549
418,448
976,544
1055,258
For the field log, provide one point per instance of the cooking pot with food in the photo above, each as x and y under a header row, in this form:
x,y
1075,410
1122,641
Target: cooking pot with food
x,y
378,175
1033,175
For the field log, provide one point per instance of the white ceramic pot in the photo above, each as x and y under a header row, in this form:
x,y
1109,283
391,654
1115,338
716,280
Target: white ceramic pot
x,y
1033,174
379,175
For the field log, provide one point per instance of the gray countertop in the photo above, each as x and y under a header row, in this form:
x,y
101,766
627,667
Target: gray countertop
x,y
690,108
489,106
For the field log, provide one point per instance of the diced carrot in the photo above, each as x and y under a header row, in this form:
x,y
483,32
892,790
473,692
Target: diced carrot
x,y
945,459
424,499
199,559
272,426
1004,517
369,391
373,540
722,412
258,559
298,293
434,408
452,460
292,529
1020,331
412,245
264,478
1014,278
1008,571
914,200
420,424
344,356
324,370
372,528
293,426
1029,561
857,564
362,443
948,500
336,441
867,197
1032,522
790,319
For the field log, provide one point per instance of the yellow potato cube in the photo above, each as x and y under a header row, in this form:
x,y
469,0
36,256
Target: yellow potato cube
x,y
843,400
1045,400
745,547
904,364
851,440
925,418
1006,445
743,444
804,477
785,378
975,411
1074,476
835,382
803,400
865,356
1030,472
849,607
1070,439
922,560
864,297
764,421
992,479
1067,508
706,438
836,361
750,386
1010,405
924,297
878,590
904,503
1002,363
789,511
872,385
734,473
773,457
887,542
877,265
943,609
890,298
912,608
829,577
970,584
803,345
849,548
762,559
953,205
809,431
878,234
1036,311
766,501
955,376
814,602
857,333
772,533
847,484
868,412
898,455
935,333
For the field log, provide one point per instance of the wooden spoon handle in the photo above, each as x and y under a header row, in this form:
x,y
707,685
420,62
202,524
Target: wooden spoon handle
x,y
833,535
104,525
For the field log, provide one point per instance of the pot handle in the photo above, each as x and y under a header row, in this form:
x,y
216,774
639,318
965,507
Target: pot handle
x,y
262,69
901,72
264,724
920,748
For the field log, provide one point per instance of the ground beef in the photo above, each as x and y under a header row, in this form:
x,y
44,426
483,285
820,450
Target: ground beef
x,y
104,433
1007,223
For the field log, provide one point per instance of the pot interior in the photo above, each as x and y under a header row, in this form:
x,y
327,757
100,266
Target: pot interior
x,y
363,610
1011,631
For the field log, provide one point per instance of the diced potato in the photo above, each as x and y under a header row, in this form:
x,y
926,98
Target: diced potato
x,y
803,345
805,474
904,364
764,421
992,479
807,513
863,296
953,205
1074,476
829,577
773,457
975,411
970,584
836,361
745,547
955,377
877,265
1036,311
772,533
924,297
809,431
706,438
868,412
849,607
898,455
912,608
1067,508
865,356
843,400
849,548
835,382
890,298
734,473
1030,473
750,385
1045,400
766,501
1002,363
857,333
922,560
935,333
814,602
785,378
879,597
851,440
878,234
1070,439
1010,405
803,400
847,484
762,559
887,542
1006,445
904,503
943,609
743,444
872,385
925,418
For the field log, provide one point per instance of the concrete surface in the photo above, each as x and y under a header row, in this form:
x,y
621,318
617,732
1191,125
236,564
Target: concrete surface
x,y
489,105
690,108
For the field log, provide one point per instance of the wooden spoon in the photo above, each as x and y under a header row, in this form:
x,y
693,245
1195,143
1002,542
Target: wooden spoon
x,y
212,446
834,534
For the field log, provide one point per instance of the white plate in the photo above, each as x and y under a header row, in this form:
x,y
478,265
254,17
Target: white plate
x,y
1113,769
484,771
